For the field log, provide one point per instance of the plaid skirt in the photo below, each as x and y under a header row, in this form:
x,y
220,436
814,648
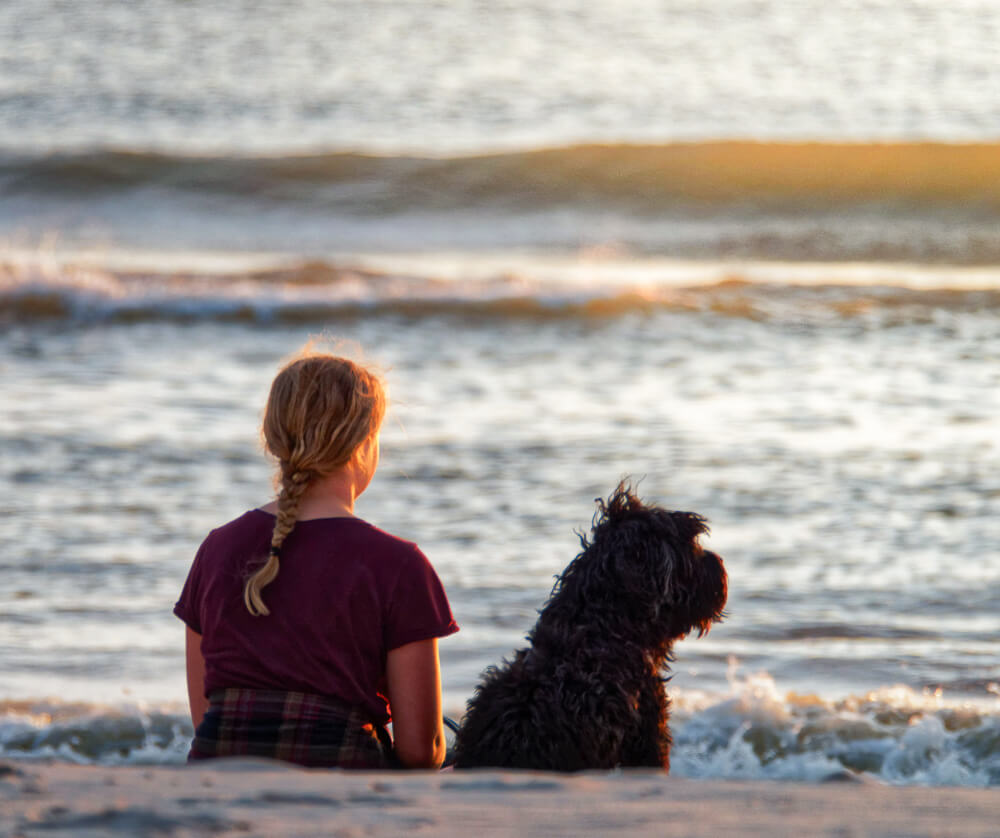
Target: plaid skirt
x,y
309,730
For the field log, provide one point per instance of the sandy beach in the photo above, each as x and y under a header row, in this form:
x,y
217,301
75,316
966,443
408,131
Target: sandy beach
x,y
251,797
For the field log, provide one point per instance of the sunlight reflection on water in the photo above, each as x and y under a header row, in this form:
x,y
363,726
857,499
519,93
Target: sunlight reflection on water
x,y
839,487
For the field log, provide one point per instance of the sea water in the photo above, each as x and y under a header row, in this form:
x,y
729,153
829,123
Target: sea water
x,y
744,253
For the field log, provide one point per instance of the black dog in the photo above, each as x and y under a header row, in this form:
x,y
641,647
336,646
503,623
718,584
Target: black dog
x,y
588,693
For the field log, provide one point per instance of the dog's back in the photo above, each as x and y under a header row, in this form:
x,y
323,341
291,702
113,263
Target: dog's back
x,y
546,715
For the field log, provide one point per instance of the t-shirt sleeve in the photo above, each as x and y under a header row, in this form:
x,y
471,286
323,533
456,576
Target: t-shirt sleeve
x,y
187,606
418,608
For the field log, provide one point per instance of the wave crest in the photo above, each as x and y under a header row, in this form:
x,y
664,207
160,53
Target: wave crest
x,y
645,178
316,291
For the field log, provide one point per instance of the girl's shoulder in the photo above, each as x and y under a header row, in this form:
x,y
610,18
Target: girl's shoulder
x,y
380,536
363,536
249,527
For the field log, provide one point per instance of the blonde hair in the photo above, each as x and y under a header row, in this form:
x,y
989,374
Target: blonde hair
x,y
321,408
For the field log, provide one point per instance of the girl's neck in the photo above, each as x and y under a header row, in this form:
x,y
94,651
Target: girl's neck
x,y
330,496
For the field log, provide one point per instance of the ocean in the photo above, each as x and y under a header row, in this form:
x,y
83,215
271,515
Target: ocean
x,y
744,252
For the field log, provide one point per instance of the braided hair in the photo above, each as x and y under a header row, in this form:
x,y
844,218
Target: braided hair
x,y
321,408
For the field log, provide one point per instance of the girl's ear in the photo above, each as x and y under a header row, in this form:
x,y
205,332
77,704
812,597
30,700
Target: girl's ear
x,y
371,446
366,457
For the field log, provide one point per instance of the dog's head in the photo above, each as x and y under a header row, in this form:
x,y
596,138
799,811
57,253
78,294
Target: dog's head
x,y
643,569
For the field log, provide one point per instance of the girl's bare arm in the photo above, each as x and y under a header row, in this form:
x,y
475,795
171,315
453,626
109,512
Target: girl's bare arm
x,y
195,677
413,673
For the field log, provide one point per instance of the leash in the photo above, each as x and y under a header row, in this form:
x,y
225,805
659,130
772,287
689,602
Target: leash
x,y
449,757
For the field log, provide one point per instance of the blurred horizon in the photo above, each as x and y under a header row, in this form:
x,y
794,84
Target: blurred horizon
x,y
420,76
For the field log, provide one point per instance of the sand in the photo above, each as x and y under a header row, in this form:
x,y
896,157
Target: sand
x,y
262,798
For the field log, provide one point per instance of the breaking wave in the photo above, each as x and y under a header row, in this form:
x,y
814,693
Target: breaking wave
x,y
894,734
314,292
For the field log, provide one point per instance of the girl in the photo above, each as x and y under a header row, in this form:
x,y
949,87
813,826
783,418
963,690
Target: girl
x,y
308,628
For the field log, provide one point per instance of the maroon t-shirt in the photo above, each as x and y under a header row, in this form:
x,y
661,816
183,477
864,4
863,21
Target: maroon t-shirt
x,y
347,593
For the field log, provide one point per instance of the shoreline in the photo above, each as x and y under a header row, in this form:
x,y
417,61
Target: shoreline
x,y
260,797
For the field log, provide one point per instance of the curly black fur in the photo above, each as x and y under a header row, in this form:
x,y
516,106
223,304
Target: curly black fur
x,y
588,693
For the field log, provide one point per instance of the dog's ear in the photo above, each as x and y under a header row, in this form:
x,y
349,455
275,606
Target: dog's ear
x,y
678,535
687,527
694,582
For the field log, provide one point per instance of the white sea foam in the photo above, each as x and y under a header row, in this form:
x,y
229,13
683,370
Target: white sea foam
x,y
44,287
894,733
755,731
